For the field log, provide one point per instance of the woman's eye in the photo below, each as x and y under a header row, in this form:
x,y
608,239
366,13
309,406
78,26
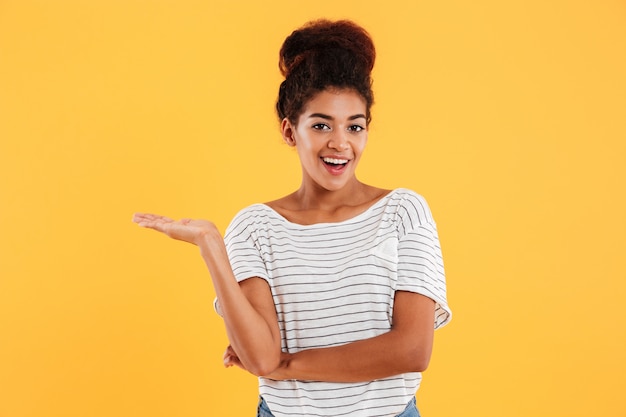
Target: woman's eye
x,y
320,126
355,128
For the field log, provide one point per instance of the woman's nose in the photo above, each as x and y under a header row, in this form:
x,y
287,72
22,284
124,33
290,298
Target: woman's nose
x,y
339,141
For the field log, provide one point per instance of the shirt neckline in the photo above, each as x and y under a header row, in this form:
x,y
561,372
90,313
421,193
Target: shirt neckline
x,y
381,201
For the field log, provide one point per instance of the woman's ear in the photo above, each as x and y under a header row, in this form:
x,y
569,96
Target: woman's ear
x,y
288,130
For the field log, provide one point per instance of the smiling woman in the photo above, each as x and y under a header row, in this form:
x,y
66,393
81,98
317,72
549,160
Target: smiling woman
x,y
330,136
330,294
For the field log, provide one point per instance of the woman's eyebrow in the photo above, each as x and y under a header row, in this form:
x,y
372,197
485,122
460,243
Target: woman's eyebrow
x,y
327,117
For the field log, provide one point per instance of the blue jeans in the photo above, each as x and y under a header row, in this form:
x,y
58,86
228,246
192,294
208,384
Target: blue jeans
x,y
263,410
410,410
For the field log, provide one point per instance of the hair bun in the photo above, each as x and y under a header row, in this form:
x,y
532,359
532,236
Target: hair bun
x,y
323,38
324,54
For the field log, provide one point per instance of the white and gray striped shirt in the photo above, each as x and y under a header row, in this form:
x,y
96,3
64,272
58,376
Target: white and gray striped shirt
x,y
334,283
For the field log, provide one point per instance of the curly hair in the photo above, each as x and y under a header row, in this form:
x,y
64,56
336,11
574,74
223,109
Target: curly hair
x,y
324,54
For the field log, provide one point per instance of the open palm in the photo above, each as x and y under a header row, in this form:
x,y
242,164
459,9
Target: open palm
x,y
187,230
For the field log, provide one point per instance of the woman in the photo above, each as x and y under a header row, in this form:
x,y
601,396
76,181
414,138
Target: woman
x,y
330,294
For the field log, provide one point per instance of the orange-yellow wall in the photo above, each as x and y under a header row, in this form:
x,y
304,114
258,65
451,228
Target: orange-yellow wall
x,y
509,116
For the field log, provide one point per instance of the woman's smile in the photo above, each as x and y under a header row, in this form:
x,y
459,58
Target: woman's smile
x,y
335,166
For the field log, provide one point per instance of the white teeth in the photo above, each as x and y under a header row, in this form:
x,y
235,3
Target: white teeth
x,y
335,161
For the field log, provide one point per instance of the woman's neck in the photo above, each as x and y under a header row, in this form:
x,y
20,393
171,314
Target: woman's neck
x,y
313,197
310,206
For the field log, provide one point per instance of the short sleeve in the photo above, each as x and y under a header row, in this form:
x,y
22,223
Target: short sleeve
x,y
420,262
244,249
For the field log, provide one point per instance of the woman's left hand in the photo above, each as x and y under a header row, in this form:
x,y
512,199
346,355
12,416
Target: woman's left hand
x,y
230,358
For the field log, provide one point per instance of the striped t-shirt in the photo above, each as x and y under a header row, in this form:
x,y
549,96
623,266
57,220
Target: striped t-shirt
x,y
334,283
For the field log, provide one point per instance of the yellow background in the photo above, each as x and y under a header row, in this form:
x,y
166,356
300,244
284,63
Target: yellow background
x,y
508,116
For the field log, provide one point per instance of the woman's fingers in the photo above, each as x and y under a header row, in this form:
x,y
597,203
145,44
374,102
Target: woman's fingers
x,y
227,358
230,358
152,221
137,217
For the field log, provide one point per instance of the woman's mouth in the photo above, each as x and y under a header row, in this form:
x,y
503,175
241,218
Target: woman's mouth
x,y
335,165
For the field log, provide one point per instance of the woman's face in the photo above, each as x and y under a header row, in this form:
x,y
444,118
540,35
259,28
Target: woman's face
x,y
330,136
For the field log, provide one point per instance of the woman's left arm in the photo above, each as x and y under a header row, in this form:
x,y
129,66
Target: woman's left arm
x,y
406,347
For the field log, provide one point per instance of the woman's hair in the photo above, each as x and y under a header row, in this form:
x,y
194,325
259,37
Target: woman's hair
x,y
324,54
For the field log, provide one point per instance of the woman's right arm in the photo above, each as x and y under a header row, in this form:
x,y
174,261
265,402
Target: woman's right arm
x,y
247,307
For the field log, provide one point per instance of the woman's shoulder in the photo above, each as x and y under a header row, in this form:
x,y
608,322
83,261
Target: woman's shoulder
x,y
255,209
411,205
281,203
253,214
